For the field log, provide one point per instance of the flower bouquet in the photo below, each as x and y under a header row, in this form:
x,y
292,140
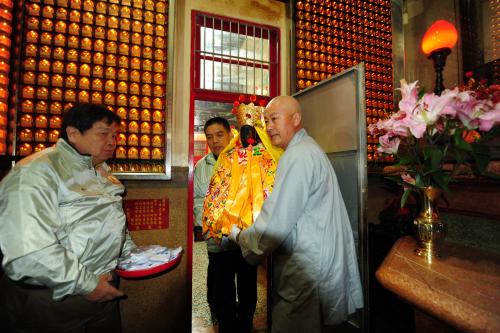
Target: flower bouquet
x,y
437,137
434,137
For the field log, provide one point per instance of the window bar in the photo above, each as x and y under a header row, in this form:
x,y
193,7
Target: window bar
x,y
270,56
221,55
246,58
238,57
268,59
213,52
230,57
261,61
254,60
276,60
204,50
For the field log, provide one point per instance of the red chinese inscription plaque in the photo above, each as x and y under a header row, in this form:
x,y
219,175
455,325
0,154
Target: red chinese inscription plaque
x,y
146,214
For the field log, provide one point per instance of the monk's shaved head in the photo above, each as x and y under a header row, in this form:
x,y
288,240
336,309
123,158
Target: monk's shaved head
x,y
286,104
283,117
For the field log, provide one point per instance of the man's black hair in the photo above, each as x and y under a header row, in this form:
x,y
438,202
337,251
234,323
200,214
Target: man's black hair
x,y
217,120
83,117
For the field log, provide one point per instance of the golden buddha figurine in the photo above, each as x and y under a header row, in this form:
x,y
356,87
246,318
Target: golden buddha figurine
x,y
145,153
243,175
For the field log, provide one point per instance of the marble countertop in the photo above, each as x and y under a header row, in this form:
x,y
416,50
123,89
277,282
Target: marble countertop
x,y
461,289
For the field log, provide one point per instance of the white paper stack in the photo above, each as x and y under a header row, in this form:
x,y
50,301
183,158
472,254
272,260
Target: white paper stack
x,y
145,257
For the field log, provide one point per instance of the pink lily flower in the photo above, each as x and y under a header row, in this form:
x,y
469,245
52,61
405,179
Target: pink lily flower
x,y
389,144
409,93
489,118
407,178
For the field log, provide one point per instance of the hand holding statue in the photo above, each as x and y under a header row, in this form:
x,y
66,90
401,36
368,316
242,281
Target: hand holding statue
x,y
235,233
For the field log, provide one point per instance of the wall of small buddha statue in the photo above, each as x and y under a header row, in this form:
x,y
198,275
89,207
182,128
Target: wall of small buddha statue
x,y
120,53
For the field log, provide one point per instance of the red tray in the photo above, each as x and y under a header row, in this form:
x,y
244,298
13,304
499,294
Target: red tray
x,y
148,272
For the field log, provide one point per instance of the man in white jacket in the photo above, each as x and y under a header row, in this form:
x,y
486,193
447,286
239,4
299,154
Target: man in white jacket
x,y
304,224
62,229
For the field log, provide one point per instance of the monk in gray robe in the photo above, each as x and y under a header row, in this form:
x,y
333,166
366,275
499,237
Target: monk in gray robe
x,y
304,224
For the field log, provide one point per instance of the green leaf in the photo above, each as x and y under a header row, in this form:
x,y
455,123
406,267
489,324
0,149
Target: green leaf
x,y
447,178
481,154
441,181
436,158
405,196
406,160
481,162
421,92
428,152
419,181
400,181
433,157
397,180
459,156
461,143
431,171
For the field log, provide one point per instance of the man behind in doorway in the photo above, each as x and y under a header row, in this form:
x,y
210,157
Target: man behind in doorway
x,y
304,224
218,134
62,229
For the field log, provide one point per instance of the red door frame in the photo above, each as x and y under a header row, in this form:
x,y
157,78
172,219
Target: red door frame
x,y
218,96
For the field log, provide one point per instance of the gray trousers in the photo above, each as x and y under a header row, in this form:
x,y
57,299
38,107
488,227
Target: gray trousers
x,y
25,308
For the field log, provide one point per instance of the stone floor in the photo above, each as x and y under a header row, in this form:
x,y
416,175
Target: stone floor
x,y
201,319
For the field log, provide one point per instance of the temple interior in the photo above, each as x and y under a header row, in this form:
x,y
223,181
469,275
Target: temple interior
x,y
167,66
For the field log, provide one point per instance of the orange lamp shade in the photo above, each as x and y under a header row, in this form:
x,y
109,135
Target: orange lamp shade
x,y
441,34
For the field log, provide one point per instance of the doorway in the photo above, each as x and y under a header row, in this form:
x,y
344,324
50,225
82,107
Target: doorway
x,y
229,58
203,320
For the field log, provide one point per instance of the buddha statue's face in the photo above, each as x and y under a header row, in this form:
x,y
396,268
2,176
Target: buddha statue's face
x,y
248,136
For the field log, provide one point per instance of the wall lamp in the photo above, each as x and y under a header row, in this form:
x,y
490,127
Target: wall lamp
x,y
437,43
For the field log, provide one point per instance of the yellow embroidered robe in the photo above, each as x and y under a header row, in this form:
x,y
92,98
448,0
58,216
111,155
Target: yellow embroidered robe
x,y
243,178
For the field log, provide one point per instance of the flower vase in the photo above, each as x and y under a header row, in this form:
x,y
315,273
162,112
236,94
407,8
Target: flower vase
x,y
430,230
